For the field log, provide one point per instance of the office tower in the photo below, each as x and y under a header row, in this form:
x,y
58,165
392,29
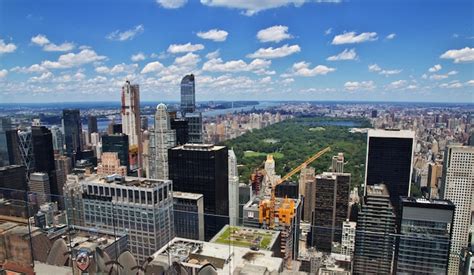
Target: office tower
x,y
309,199
189,215
188,95
458,187
337,165
375,233
117,143
13,145
435,171
110,165
72,131
331,209
58,139
43,154
95,139
13,177
144,123
39,187
143,206
92,124
233,189
424,232
211,164
5,125
194,127
131,121
63,168
374,114
180,125
245,195
73,200
390,161
307,175
348,238
162,138
25,145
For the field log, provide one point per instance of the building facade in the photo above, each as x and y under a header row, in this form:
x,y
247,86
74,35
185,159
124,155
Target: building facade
x,y
203,169
389,161
375,233
188,95
131,120
43,153
110,165
162,138
189,215
233,189
72,127
458,187
425,230
331,209
117,143
348,238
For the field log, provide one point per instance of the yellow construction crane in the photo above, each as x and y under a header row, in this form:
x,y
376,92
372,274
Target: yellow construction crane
x,y
286,210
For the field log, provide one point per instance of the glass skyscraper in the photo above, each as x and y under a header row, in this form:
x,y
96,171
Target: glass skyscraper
x,y
424,236
188,95
72,130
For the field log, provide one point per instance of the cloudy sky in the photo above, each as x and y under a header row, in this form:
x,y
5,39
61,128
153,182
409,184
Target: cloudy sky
x,y
56,51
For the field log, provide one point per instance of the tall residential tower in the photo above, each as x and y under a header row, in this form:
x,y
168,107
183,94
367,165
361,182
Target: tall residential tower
x,y
131,121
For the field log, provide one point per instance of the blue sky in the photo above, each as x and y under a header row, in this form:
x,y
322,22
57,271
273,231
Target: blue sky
x,y
56,51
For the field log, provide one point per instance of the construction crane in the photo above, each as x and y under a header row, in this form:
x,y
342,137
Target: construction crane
x,y
267,208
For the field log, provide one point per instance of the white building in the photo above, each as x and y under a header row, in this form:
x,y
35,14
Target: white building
x,y
131,121
233,189
458,187
142,207
348,238
162,138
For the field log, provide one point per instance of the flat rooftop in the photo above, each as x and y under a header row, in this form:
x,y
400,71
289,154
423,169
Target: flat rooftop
x,y
187,195
391,133
377,190
224,258
120,180
246,237
198,147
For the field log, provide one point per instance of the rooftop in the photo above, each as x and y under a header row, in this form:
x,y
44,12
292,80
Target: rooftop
x,y
198,147
391,133
377,190
120,180
225,258
246,237
187,195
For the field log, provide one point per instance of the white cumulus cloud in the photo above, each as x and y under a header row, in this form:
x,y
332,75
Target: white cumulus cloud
x,y
40,40
118,35
356,85
214,35
218,65
151,67
138,57
3,73
48,46
435,68
271,52
303,69
460,56
274,34
376,68
6,47
391,36
344,55
184,48
73,60
171,4
353,37
117,69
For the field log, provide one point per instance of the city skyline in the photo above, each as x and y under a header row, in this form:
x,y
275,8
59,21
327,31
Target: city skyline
x,y
270,50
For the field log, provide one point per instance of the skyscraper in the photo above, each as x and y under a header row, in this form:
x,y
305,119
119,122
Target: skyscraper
x,y
117,143
43,153
331,209
180,125
72,131
425,229
338,163
39,187
58,139
233,189
375,233
458,187
5,125
194,127
91,124
390,161
188,215
162,138
188,95
203,169
131,120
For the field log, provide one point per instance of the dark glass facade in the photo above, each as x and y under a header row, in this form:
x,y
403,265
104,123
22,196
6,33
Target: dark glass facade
x,y
181,127
287,189
72,130
331,210
203,169
425,231
117,143
188,94
43,154
92,124
389,162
